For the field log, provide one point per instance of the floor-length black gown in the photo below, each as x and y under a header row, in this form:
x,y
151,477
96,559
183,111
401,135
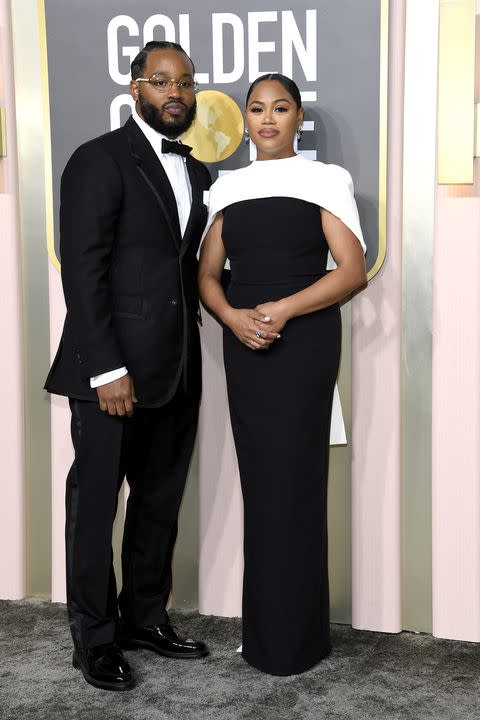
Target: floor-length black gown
x,y
280,403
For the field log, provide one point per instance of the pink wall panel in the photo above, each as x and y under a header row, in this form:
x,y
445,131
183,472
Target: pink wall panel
x,y
376,376
456,420
12,506
456,407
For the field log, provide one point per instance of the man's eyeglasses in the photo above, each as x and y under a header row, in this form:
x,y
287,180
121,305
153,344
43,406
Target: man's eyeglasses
x,y
162,84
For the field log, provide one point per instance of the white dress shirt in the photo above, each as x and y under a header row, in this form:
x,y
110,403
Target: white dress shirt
x,y
175,167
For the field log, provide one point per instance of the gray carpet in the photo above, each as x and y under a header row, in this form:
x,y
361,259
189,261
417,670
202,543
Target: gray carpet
x,y
368,676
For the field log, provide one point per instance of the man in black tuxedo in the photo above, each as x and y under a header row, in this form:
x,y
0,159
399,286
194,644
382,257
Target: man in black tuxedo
x,y
131,218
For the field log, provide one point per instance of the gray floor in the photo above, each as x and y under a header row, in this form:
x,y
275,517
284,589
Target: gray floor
x,y
368,676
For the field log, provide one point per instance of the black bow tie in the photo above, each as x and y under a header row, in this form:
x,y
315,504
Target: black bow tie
x,y
171,146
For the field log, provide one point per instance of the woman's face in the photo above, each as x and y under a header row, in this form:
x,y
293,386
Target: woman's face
x,y
272,120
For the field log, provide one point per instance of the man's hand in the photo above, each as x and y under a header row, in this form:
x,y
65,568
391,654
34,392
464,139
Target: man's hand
x,y
117,397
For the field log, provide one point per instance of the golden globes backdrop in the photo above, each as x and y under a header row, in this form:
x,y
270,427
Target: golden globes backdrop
x,y
333,51
337,52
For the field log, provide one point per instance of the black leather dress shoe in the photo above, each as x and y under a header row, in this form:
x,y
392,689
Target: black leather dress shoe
x,y
104,667
162,639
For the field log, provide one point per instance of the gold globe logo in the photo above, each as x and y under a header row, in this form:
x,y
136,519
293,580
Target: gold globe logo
x,y
218,128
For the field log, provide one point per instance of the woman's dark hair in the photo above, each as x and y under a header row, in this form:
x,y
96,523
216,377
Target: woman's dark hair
x,y
287,83
138,64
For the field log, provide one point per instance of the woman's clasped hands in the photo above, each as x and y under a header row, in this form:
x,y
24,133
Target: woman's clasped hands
x,y
258,328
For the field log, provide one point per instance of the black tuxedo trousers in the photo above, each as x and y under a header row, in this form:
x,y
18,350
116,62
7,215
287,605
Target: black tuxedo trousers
x,y
152,449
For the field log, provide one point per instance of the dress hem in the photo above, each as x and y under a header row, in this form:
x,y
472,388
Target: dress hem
x,y
285,673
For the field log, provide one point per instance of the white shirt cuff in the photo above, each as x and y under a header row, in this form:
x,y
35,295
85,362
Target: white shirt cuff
x,y
108,377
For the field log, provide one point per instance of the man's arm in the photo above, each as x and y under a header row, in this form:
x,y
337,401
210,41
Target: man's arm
x,y
90,199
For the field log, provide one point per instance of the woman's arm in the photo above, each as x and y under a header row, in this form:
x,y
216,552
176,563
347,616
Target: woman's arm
x,y
349,275
240,321
212,262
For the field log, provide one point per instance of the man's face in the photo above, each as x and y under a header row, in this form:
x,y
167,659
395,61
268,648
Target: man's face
x,y
171,112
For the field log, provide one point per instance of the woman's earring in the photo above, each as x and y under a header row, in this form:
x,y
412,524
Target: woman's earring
x,y
247,136
299,134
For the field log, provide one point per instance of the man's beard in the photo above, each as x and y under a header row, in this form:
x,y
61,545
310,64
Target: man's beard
x,y
153,117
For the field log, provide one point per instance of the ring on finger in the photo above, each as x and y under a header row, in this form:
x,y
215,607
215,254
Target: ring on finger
x,y
258,334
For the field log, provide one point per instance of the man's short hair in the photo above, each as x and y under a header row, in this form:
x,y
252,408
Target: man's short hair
x,y
138,64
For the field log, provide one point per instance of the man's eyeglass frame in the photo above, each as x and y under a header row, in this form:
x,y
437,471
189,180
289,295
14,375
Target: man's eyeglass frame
x,y
154,79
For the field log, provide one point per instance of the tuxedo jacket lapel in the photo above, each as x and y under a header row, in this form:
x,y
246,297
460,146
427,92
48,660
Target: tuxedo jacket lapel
x,y
151,170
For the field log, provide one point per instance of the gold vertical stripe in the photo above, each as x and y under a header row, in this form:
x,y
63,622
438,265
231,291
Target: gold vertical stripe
x,y
47,141
383,141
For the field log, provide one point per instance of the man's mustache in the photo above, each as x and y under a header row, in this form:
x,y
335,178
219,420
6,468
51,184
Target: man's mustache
x,y
175,102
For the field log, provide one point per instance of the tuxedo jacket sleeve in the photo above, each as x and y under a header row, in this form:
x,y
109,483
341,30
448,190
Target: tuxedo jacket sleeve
x,y
90,199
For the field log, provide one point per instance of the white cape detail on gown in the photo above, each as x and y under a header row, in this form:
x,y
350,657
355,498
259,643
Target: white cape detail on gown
x,y
328,186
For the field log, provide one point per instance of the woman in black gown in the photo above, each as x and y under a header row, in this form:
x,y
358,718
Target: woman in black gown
x,y
276,221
